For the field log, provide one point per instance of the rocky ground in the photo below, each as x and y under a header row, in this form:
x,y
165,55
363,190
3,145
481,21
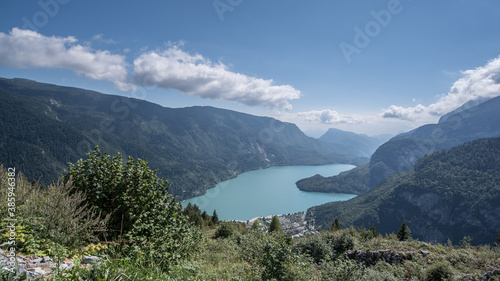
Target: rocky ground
x,y
36,267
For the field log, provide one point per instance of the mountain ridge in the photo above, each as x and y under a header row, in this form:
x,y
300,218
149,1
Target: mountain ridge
x,y
470,122
351,143
45,126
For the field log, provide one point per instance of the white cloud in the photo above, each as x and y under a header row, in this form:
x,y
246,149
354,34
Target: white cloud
x,y
26,48
100,38
482,82
197,76
328,116
409,113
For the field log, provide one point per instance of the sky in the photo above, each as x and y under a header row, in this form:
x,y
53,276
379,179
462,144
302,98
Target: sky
x,y
367,66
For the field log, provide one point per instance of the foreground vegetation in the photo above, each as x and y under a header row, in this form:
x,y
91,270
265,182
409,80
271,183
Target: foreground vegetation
x,y
250,254
144,235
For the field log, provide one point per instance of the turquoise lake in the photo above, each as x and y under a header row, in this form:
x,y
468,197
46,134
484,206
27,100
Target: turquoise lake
x,y
265,192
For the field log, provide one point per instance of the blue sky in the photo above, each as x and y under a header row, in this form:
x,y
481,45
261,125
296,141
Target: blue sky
x,y
370,67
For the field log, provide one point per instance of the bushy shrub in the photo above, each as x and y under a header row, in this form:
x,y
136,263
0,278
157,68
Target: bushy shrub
x,y
224,230
50,221
374,274
276,256
343,269
343,242
145,218
367,234
439,271
252,245
318,247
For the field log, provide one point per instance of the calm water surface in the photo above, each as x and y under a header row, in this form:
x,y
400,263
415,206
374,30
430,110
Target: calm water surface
x,y
267,192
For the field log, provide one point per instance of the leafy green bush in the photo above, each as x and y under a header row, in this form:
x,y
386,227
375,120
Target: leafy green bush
x,y
252,245
439,271
51,221
343,269
277,254
142,211
224,230
318,247
344,241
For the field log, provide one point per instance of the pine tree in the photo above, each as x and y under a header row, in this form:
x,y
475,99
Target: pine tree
x,y
335,225
255,225
215,218
404,232
275,225
373,231
205,216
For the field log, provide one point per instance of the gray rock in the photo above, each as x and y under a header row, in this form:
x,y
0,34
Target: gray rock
x,y
47,259
35,272
35,261
90,259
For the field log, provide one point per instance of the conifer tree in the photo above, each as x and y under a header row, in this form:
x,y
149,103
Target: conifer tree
x,y
404,232
205,216
215,218
275,225
335,225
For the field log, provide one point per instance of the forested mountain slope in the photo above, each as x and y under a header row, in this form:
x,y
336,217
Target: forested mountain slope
x,y
43,127
448,195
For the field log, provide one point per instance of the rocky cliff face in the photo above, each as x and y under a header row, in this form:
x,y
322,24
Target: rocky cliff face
x,y
433,219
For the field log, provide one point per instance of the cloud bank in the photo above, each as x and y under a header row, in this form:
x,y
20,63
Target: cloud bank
x,y
197,76
480,83
29,49
172,68
328,116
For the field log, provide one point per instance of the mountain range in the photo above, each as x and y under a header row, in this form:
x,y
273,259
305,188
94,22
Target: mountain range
x,y
474,120
353,144
44,126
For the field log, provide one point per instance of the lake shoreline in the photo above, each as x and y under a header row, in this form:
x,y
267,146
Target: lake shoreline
x,y
268,191
294,224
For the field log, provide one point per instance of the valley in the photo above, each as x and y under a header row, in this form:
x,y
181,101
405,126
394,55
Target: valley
x,y
249,140
47,126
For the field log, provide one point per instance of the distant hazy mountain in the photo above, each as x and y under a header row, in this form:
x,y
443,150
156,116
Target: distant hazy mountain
x,y
448,195
470,122
43,127
352,143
